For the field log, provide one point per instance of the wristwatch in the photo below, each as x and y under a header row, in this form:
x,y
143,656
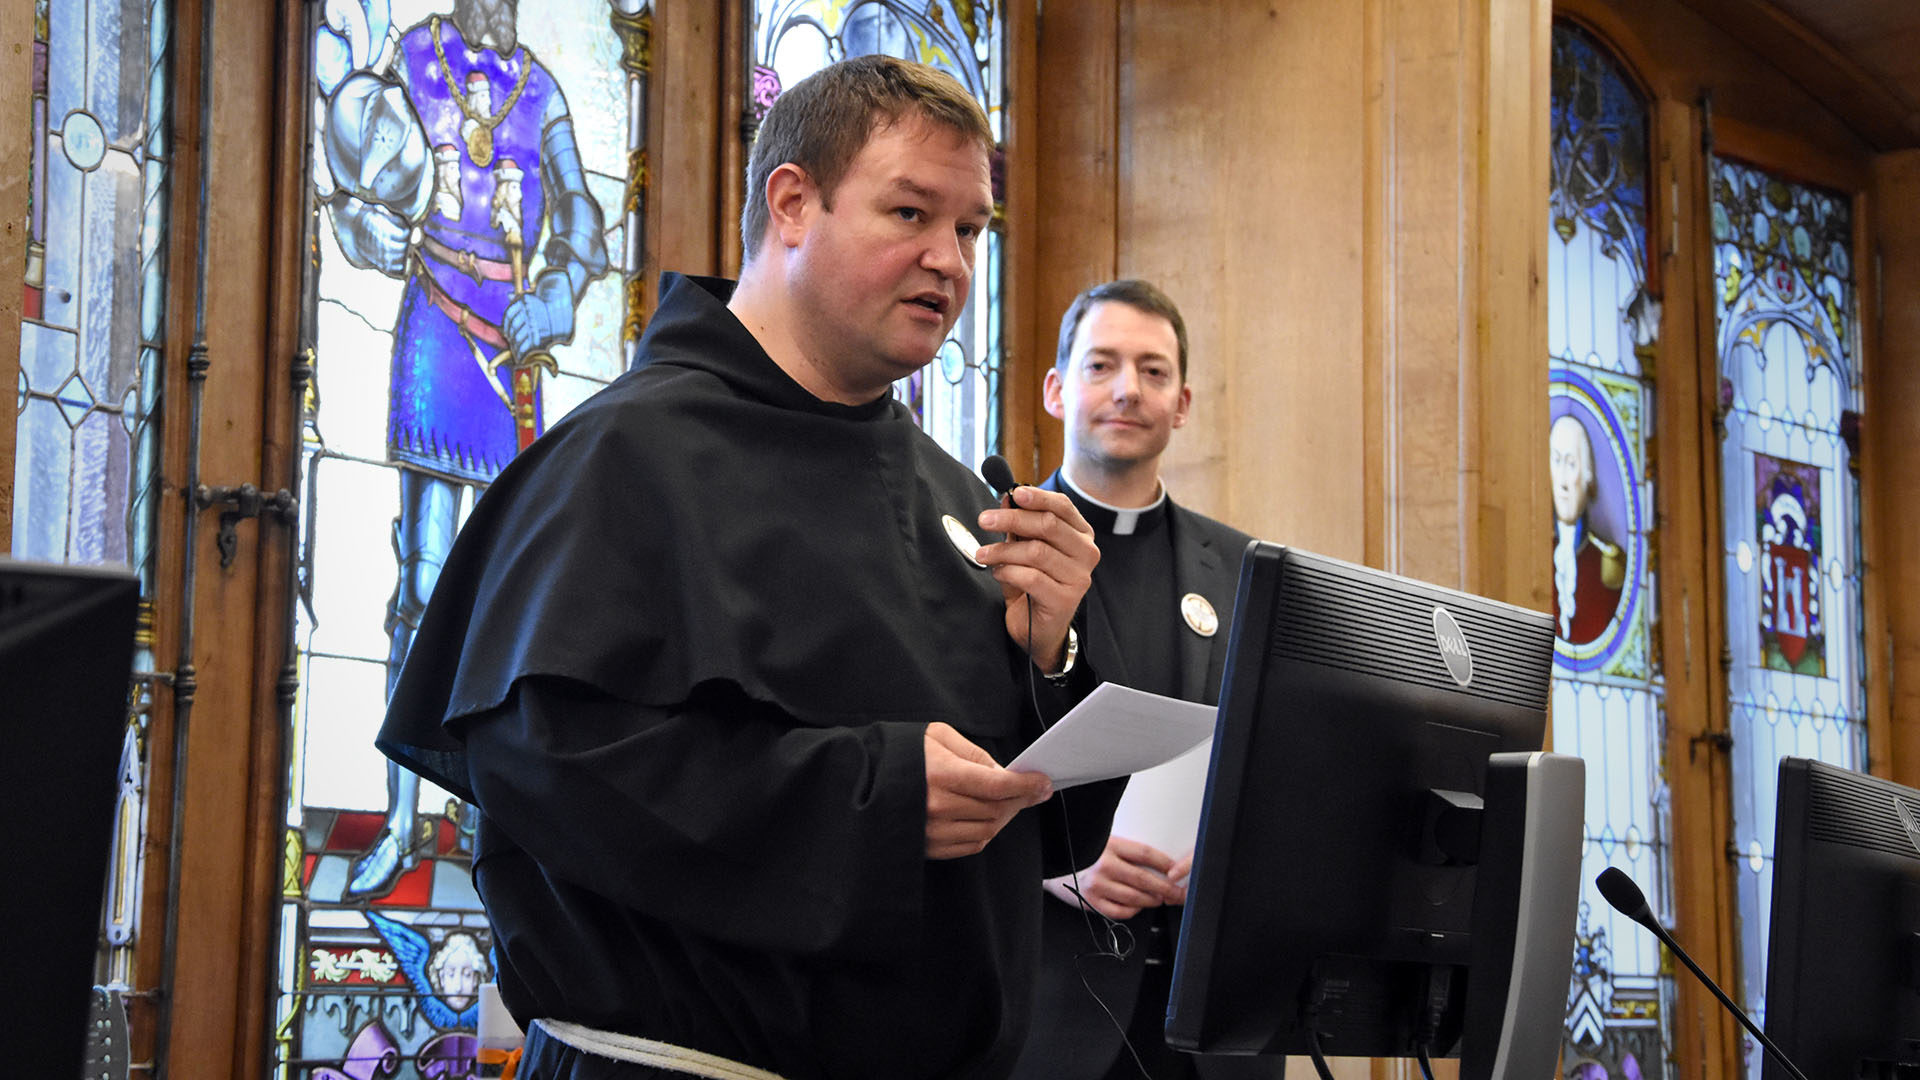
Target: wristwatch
x,y
1066,663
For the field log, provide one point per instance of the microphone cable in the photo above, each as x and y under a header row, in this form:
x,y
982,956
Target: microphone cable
x,y
1119,944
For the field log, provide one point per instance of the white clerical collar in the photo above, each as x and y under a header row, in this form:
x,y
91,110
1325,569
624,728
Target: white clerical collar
x,y
1125,518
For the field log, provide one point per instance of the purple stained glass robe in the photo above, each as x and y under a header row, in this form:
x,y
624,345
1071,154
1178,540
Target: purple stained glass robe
x,y
445,415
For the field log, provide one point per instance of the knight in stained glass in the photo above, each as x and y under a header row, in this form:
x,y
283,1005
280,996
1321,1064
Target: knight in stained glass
x,y
425,179
447,168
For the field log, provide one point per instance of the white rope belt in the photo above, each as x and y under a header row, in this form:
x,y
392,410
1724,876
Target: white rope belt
x,y
660,1055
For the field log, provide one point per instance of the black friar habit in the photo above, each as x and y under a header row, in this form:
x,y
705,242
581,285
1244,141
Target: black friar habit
x,y
682,657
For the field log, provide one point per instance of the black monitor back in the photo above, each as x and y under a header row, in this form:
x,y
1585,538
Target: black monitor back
x,y
66,652
1843,957
1339,713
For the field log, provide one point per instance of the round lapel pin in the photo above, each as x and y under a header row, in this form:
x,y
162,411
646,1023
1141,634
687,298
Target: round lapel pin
x,y
1200,616
963,541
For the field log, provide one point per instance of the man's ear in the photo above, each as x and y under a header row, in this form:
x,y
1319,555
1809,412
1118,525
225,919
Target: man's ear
x,y
790,196
1050,398
1186,404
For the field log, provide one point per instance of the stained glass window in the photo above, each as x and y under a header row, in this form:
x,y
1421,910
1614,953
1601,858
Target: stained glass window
x,y
956,399
1608,693
477,168
91,339
1783,283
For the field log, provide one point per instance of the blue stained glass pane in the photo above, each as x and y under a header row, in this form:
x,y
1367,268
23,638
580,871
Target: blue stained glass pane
x,y
89,494
109,315
46,356
1786,326
66,58
43,460
76,401
159,32
153,233
64,233
100,461
105,43
1608,692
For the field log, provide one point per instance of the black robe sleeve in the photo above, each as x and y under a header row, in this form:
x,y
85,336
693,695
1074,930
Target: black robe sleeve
x,y
716,815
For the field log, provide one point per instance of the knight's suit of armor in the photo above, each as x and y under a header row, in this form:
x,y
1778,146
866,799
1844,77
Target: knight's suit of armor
x,y
448,170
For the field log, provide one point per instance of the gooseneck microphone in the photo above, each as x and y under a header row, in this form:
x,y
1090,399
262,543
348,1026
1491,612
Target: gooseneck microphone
x,y
1626,897
998,475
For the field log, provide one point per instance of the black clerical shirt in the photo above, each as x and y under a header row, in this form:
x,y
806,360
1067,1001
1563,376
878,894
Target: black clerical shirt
x,y
1135,586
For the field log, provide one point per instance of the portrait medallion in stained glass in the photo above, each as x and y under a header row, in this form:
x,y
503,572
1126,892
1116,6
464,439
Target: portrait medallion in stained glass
x,y
1789,393
1608,693
956,399
92,329
478,178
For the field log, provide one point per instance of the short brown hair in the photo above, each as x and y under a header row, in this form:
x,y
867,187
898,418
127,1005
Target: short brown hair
x,y
822,123
1137,294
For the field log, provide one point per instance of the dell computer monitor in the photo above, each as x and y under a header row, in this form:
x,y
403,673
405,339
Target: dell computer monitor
x,y
66,651
1387,867
1843,959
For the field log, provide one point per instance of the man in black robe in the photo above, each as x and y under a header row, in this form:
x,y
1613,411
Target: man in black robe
x,y
727,673
1157,616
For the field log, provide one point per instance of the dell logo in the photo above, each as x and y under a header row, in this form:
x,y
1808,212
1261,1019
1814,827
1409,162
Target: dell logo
x,y
1907,821
1453,646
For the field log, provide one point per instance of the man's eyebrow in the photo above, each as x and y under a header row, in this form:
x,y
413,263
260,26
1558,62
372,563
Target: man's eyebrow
x,y
918,191
901,183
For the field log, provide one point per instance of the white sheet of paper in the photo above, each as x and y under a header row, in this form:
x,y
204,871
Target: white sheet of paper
x,y
1161,807
1114,731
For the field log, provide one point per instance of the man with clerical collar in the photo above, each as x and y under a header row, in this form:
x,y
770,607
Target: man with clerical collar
x,y
1157,617
729,680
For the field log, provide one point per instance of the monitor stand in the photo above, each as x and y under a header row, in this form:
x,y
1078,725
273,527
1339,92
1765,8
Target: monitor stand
x,y
1525,908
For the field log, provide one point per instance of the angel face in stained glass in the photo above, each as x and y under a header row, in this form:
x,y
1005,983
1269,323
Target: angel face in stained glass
x,y
445,977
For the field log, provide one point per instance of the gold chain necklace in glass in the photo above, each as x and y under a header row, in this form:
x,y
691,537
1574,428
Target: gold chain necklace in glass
x,y
480,138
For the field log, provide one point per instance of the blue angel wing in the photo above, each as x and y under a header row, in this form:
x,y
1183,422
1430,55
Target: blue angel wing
x,y
412,949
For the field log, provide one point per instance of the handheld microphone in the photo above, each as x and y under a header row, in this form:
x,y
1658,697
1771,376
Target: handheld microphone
x,y
1626,897
998,475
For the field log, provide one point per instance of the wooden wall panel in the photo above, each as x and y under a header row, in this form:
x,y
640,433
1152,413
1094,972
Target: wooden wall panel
x,y
1242,196
16,132
1361,293
1426,160
1070,238
688,125
1680,54
1693,598
1509,498
208,1010
1892,456
1024,354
